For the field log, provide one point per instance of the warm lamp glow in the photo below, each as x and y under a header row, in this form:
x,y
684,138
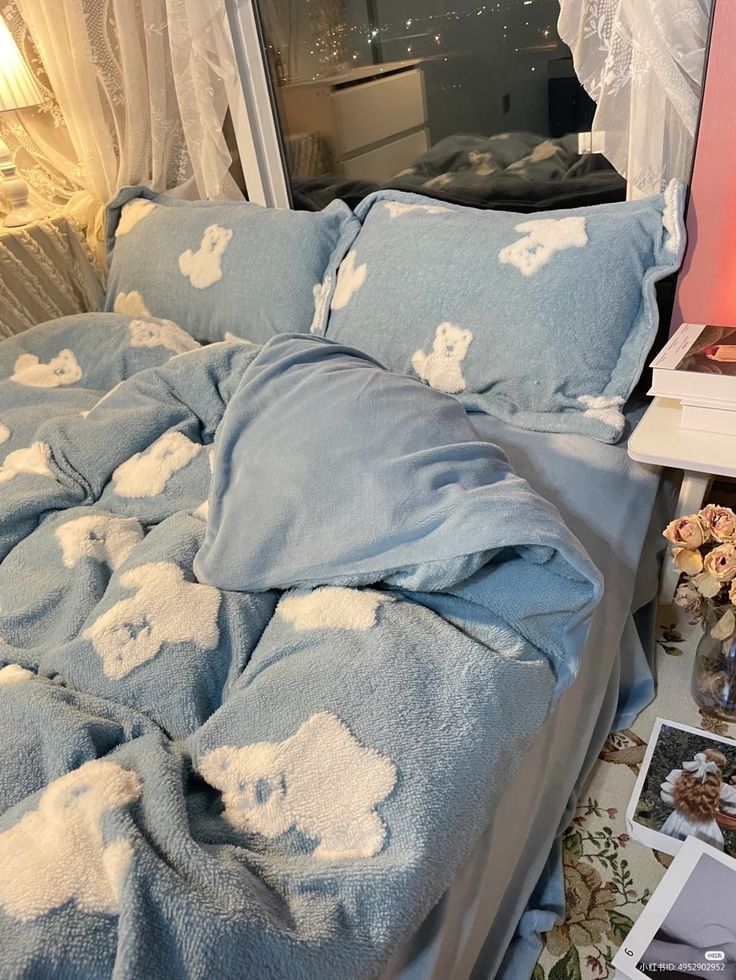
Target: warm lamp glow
x,y
18,88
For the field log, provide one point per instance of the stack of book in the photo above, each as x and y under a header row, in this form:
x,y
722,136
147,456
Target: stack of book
x,y
698,367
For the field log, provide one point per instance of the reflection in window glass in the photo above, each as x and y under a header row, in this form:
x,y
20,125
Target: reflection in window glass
x,y
471,102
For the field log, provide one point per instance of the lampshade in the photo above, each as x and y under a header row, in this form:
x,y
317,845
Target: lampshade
x,y
18,87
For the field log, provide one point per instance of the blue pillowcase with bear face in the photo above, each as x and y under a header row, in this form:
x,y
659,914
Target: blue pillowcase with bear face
x,y
222,268
544,320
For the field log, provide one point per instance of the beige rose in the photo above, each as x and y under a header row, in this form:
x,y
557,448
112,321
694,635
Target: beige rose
x,y
726,626
720,564
732,593
720,521
687,532
587,902
688,598
706,585
690,562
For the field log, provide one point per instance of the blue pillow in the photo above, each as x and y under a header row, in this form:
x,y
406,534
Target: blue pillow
x,y
544,320
218,268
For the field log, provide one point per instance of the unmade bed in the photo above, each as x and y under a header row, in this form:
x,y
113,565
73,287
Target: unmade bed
x,y
315,612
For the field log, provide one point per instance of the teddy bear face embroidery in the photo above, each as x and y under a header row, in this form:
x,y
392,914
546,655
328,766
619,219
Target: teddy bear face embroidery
x,y
33,459
100,537
160,333
321,781
133,212
56,852
203,268
60,370
165,608
146,473
441,368
542,239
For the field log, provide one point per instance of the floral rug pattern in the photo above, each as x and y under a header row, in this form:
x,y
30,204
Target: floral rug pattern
x,y
608,876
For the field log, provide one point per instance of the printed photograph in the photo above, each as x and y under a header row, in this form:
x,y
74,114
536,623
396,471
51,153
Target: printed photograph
x,y
697,937
689,788
714,352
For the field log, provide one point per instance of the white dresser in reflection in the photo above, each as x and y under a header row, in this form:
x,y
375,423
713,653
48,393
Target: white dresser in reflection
x,y
373,120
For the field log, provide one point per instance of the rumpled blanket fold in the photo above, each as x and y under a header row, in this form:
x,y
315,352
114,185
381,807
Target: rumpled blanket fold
x,y
199,781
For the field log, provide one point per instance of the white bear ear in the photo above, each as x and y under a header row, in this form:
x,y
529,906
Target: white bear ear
x,y
214,767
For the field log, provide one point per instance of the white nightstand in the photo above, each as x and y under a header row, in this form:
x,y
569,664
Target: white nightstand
x,y
700,455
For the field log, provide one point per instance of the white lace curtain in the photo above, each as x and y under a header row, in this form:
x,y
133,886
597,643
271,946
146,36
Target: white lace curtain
x,y
642,62
135,91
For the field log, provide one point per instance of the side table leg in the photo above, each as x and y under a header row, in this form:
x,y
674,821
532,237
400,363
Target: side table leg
x,y
692,494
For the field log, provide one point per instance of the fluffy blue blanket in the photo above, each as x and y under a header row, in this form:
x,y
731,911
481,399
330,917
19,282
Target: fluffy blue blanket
x,y
202,782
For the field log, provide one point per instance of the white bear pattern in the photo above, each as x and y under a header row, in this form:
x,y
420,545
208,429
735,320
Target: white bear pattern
x,y
60,370
320,292
33,459
166,608
398,208
321,781
332,608
607,410
131,304
131,213
160,333
441,369
147,473
349,280
56,852
543,238
105,539
203,268
4,433
14,674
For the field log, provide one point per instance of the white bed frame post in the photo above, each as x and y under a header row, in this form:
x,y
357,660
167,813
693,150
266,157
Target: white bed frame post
x,y
256,129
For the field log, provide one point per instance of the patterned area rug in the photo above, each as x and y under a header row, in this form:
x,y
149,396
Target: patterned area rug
x,y
608,876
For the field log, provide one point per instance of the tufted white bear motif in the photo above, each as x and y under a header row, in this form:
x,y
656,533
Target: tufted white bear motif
x,y
4,433
332,608
441,180
607,410
131,213
482,163
542,151
166,608
203,268
160,333
543,238
14,674
56,852
32,459
398,208
441,368
60,370
320,291
148,472
131,303
349,280
100,537
321,781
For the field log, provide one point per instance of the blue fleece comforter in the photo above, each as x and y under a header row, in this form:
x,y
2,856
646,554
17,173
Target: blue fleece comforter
x,y
209,783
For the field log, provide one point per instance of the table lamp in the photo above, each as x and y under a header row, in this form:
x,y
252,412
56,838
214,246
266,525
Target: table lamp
x,y
18,90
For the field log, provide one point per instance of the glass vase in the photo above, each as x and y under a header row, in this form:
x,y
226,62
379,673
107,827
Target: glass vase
x,y
714,674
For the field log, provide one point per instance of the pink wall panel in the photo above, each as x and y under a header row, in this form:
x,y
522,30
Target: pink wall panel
x,y
706,290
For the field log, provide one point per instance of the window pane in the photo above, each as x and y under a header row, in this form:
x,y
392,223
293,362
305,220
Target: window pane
x,y
472,102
